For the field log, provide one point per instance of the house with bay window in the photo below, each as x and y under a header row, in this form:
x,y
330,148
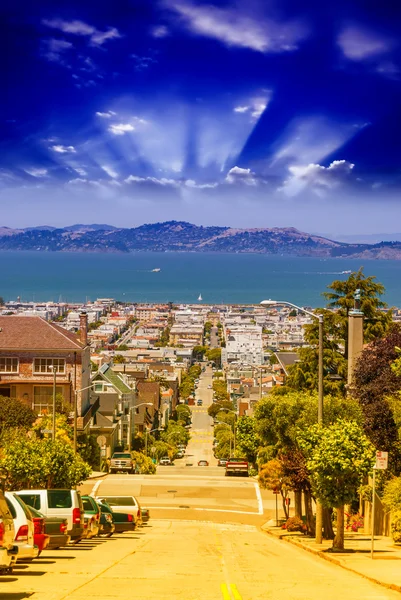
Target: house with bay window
x,y
35,354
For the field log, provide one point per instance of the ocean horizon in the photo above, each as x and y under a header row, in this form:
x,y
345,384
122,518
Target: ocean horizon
x,y
220,278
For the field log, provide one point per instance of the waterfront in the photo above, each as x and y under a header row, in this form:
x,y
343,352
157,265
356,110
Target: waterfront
x,y
219,278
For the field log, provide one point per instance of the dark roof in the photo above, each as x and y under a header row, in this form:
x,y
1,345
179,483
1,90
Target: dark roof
x,y
286,359
34,333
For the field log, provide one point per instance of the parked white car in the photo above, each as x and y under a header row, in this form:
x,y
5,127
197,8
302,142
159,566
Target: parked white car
x,y
59,503
23,525
124,504
8,549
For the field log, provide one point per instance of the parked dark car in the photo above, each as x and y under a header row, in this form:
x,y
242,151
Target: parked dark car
x,y
40,537
122,521
56,528
107,526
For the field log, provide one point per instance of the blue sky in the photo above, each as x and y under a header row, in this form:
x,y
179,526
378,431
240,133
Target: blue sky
x,y
249,114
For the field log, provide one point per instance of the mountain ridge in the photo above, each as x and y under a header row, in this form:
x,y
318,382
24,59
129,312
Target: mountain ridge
x,y
181,236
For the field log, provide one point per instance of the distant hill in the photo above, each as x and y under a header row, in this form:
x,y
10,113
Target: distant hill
x,y
179,236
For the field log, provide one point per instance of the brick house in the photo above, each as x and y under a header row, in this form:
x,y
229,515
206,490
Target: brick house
x,y
31,349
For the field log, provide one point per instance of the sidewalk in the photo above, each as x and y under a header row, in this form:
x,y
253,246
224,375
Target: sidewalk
x,y
384,569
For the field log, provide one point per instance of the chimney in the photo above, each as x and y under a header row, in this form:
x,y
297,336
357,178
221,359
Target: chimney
x,y
83,326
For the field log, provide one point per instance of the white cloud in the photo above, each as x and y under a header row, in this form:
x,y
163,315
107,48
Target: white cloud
x,y
255,106
99,37
163,181
36,172
54,49
200,186
240,175
77,181
63,149
361,44
80,171
96,37
320,178
235,28
106,115
121,128
160,31
258,109
142,62
110,171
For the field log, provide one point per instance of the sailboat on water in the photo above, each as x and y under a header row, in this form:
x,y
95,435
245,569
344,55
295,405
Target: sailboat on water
x,y
200,298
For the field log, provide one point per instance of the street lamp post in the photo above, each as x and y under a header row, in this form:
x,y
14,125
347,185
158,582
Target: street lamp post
x,y
76,413
54,404
131,425
146,437
319,317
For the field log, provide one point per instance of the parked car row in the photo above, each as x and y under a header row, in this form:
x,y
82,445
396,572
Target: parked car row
x,y
32,521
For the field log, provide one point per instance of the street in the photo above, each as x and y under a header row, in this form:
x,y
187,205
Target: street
x,y
203,542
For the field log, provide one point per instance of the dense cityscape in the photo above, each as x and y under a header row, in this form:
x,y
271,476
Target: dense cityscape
x,y
200,300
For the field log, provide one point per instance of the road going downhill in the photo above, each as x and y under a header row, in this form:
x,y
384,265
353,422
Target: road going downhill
x,y
203,542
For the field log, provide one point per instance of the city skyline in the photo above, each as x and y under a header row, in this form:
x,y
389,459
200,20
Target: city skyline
x,y
216,113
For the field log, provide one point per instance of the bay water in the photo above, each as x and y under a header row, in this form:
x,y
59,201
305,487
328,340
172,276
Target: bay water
x,y
219,278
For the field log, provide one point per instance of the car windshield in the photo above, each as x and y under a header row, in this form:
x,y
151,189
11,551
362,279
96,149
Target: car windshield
x,y
121,455
59,498
120,500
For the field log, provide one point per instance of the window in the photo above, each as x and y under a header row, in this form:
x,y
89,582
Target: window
x,y
43,398
31,500
45,365
59,499
9,365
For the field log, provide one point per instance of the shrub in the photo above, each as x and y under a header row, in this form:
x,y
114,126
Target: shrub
x,y
143,464
295,524
396,527
392,494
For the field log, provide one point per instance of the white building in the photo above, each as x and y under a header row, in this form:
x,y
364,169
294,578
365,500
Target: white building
x,y
243,345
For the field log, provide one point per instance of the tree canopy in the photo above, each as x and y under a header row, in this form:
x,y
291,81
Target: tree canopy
x,y
340,298
14,413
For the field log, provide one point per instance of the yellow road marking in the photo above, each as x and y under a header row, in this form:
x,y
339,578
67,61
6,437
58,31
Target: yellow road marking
x,y
225,592
236,594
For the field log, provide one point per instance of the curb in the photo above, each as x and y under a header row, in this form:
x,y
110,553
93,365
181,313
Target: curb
x,y
97,476
332,559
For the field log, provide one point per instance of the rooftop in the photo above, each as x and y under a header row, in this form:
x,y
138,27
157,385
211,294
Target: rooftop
x,y
34,333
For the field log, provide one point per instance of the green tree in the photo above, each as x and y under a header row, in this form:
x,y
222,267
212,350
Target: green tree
x,y
247,440
175,434
199,351
338,457
183,414
119,359
143,464
208,327
340,297
214,355
14,413
271,477
123,347
220,390
29,462
216,407
1,301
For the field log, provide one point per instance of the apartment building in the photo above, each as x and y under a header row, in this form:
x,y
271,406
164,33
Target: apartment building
x,y
34,353
243,345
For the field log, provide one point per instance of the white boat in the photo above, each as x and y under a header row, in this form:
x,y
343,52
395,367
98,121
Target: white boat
x,y
200,298
156,270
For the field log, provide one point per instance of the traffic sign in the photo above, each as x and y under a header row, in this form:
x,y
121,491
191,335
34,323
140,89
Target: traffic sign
x,y
276,491
381,460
